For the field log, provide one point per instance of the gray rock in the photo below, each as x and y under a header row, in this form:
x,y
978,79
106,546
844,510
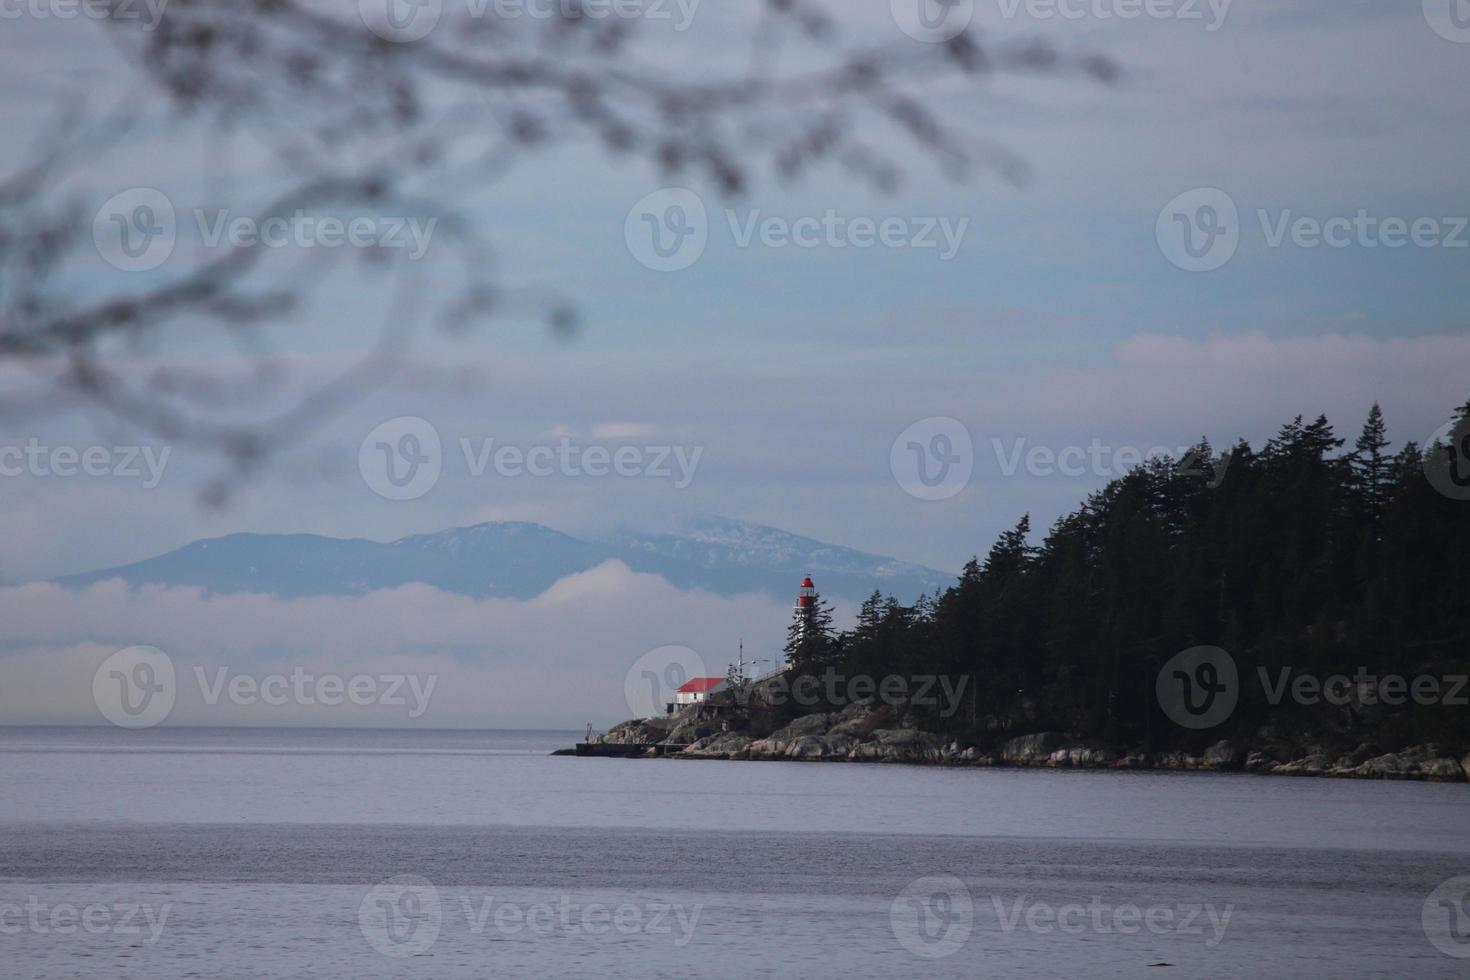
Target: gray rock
x,y
854,727
838,745
1259,762
899,745
807,747
1081,757
1222,755
1313,765
1178,760
816,724
1033,749
767,748
691,730
721,746
906,738
1419,762
635,732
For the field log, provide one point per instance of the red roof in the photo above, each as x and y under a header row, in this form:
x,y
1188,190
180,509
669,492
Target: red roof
x,y
701,685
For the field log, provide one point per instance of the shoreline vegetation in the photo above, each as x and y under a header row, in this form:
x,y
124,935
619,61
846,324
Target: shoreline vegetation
x,y
1297,609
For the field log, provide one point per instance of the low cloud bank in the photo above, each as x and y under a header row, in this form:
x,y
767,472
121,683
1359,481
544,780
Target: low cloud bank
x,y
413,656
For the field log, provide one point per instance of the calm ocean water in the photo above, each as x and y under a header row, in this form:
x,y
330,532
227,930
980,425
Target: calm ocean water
x,y
348,854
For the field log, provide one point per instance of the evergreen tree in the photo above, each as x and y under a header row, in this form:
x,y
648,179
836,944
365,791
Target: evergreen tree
x,y
810,639
1372,477
1295,555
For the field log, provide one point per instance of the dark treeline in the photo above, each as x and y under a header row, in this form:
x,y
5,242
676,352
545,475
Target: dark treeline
x,y
1307,554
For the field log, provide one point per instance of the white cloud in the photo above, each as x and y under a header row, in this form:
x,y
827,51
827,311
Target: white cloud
x,y
557,660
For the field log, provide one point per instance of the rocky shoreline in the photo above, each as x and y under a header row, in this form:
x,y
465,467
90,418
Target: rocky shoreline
x,y
857,734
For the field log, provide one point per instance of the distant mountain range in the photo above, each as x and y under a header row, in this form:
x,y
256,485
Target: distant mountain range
x,y
519,560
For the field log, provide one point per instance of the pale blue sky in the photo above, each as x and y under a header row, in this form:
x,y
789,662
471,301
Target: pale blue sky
x,y
1058,322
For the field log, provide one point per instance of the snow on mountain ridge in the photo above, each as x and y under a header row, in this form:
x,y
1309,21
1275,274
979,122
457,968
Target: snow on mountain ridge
x,y
518,559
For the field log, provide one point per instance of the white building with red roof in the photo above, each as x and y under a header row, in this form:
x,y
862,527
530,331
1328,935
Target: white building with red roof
x,y
698,690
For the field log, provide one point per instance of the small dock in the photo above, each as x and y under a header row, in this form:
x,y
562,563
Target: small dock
x,y
630,750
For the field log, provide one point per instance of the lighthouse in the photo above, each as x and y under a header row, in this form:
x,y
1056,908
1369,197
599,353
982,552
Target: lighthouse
x,y
806,601
807,595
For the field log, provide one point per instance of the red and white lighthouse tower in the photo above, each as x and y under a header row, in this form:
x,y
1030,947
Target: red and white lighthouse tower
x,y
808,594
806,602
